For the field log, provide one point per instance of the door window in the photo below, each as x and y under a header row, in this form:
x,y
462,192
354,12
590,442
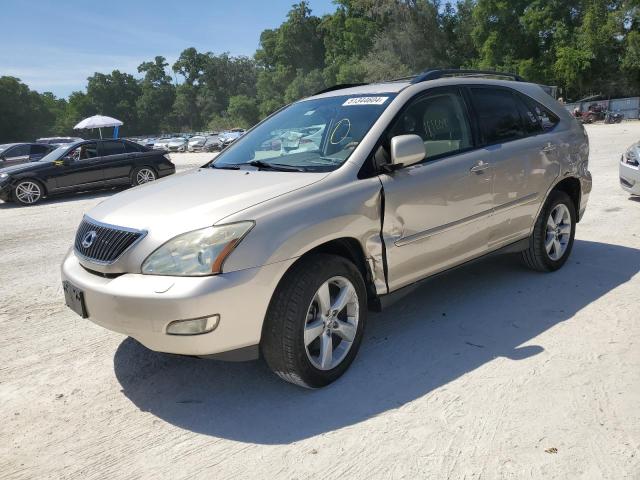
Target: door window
x,y
39,149
132,147
441,121
86,151
18,151
112,148
498,115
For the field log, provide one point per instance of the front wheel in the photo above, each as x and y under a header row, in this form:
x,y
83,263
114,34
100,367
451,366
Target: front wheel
x,y
315,321
28,192
552,239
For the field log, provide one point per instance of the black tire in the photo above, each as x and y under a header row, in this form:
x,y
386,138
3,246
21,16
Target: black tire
x,y
282,344
16,197
136,171
536,256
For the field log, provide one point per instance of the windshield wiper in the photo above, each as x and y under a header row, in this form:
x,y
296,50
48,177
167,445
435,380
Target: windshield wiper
x,y
224,167
273,166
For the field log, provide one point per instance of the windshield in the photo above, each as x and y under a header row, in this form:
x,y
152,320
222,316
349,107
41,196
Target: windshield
x,y
55,154
312,135
5,146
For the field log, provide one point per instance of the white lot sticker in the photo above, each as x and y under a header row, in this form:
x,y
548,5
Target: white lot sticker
x,y
365,101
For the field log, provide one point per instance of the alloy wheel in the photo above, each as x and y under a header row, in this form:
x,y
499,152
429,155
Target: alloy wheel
x,y
558,232
331,323
145,175
28,192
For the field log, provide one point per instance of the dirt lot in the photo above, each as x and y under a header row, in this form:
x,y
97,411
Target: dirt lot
x,y
483,373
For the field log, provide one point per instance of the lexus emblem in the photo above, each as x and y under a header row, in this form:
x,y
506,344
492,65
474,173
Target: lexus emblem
x,y
89,238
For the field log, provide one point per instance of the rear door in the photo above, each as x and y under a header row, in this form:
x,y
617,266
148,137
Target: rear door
x,y
521,159
435,213
116,161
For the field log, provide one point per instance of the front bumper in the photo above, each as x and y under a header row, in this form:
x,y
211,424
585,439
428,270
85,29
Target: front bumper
x,y
629,177
142,306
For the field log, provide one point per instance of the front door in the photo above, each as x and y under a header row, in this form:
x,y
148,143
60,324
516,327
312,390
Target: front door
x,y
82,167
436,212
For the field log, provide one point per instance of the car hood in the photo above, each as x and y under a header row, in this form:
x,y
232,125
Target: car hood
x,y
196,199
20,167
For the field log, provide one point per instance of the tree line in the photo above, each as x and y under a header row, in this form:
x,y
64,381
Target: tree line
x,y
583,46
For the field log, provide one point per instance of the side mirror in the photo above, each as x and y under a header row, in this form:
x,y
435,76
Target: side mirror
x,y
407,150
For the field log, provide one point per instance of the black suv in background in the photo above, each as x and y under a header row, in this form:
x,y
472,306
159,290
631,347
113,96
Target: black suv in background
x,y
14,153
83,165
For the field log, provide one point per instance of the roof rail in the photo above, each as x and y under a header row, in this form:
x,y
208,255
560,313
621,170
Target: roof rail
x,y
340,86
439,73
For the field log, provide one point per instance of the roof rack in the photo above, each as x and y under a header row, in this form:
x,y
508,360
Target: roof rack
x,y
340,86
439,73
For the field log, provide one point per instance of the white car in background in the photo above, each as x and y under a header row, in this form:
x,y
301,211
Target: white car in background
x,y
310,139
630,169
196,143
161,144
177,144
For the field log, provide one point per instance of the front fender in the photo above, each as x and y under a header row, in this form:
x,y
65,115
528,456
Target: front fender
x,y
289,226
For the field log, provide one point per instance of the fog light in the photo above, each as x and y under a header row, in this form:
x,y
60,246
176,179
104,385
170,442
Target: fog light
x,y
195,326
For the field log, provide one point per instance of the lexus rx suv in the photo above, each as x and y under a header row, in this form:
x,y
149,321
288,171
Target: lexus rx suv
x,y
260,253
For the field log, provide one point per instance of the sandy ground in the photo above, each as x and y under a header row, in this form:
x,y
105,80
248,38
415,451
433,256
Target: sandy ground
x,y
480,374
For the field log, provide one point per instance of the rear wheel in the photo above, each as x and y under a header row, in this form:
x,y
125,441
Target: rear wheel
x,y
552,239
143,175
315,321
28,192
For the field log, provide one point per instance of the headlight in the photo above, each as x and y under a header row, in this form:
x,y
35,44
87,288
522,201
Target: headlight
x,y
4,175
632,156
198,253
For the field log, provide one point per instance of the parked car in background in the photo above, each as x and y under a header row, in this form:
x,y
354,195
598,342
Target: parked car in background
x,y
259,253
630,169
83,165
161,144
177,144
213,144
196,143
58,141
14,153
227,138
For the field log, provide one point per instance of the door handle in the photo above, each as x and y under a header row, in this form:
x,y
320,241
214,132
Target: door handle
x,y
548,148
479,167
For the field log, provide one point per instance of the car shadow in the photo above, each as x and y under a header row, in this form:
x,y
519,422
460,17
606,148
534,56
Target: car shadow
x,y
450,326
70,197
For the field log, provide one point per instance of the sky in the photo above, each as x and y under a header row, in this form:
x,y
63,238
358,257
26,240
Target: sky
x,y
53,46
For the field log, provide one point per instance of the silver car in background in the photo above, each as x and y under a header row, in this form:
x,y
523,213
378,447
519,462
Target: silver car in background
x,y
630,169
282,256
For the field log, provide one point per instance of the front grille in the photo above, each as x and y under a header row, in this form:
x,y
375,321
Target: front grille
x,y
102,243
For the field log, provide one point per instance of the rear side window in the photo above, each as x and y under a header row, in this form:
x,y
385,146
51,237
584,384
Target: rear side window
x,y
112,148
498,115
546,117
133,148
39,149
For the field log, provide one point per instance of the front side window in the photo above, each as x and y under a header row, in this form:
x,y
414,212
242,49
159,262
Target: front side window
x,y
498,115
86,151
311,135
440,119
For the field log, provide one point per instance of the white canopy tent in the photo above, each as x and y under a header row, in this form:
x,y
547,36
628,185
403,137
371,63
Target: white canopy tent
x,y
99,122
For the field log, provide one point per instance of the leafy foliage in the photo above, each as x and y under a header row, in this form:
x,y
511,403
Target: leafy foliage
x,y
583,46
